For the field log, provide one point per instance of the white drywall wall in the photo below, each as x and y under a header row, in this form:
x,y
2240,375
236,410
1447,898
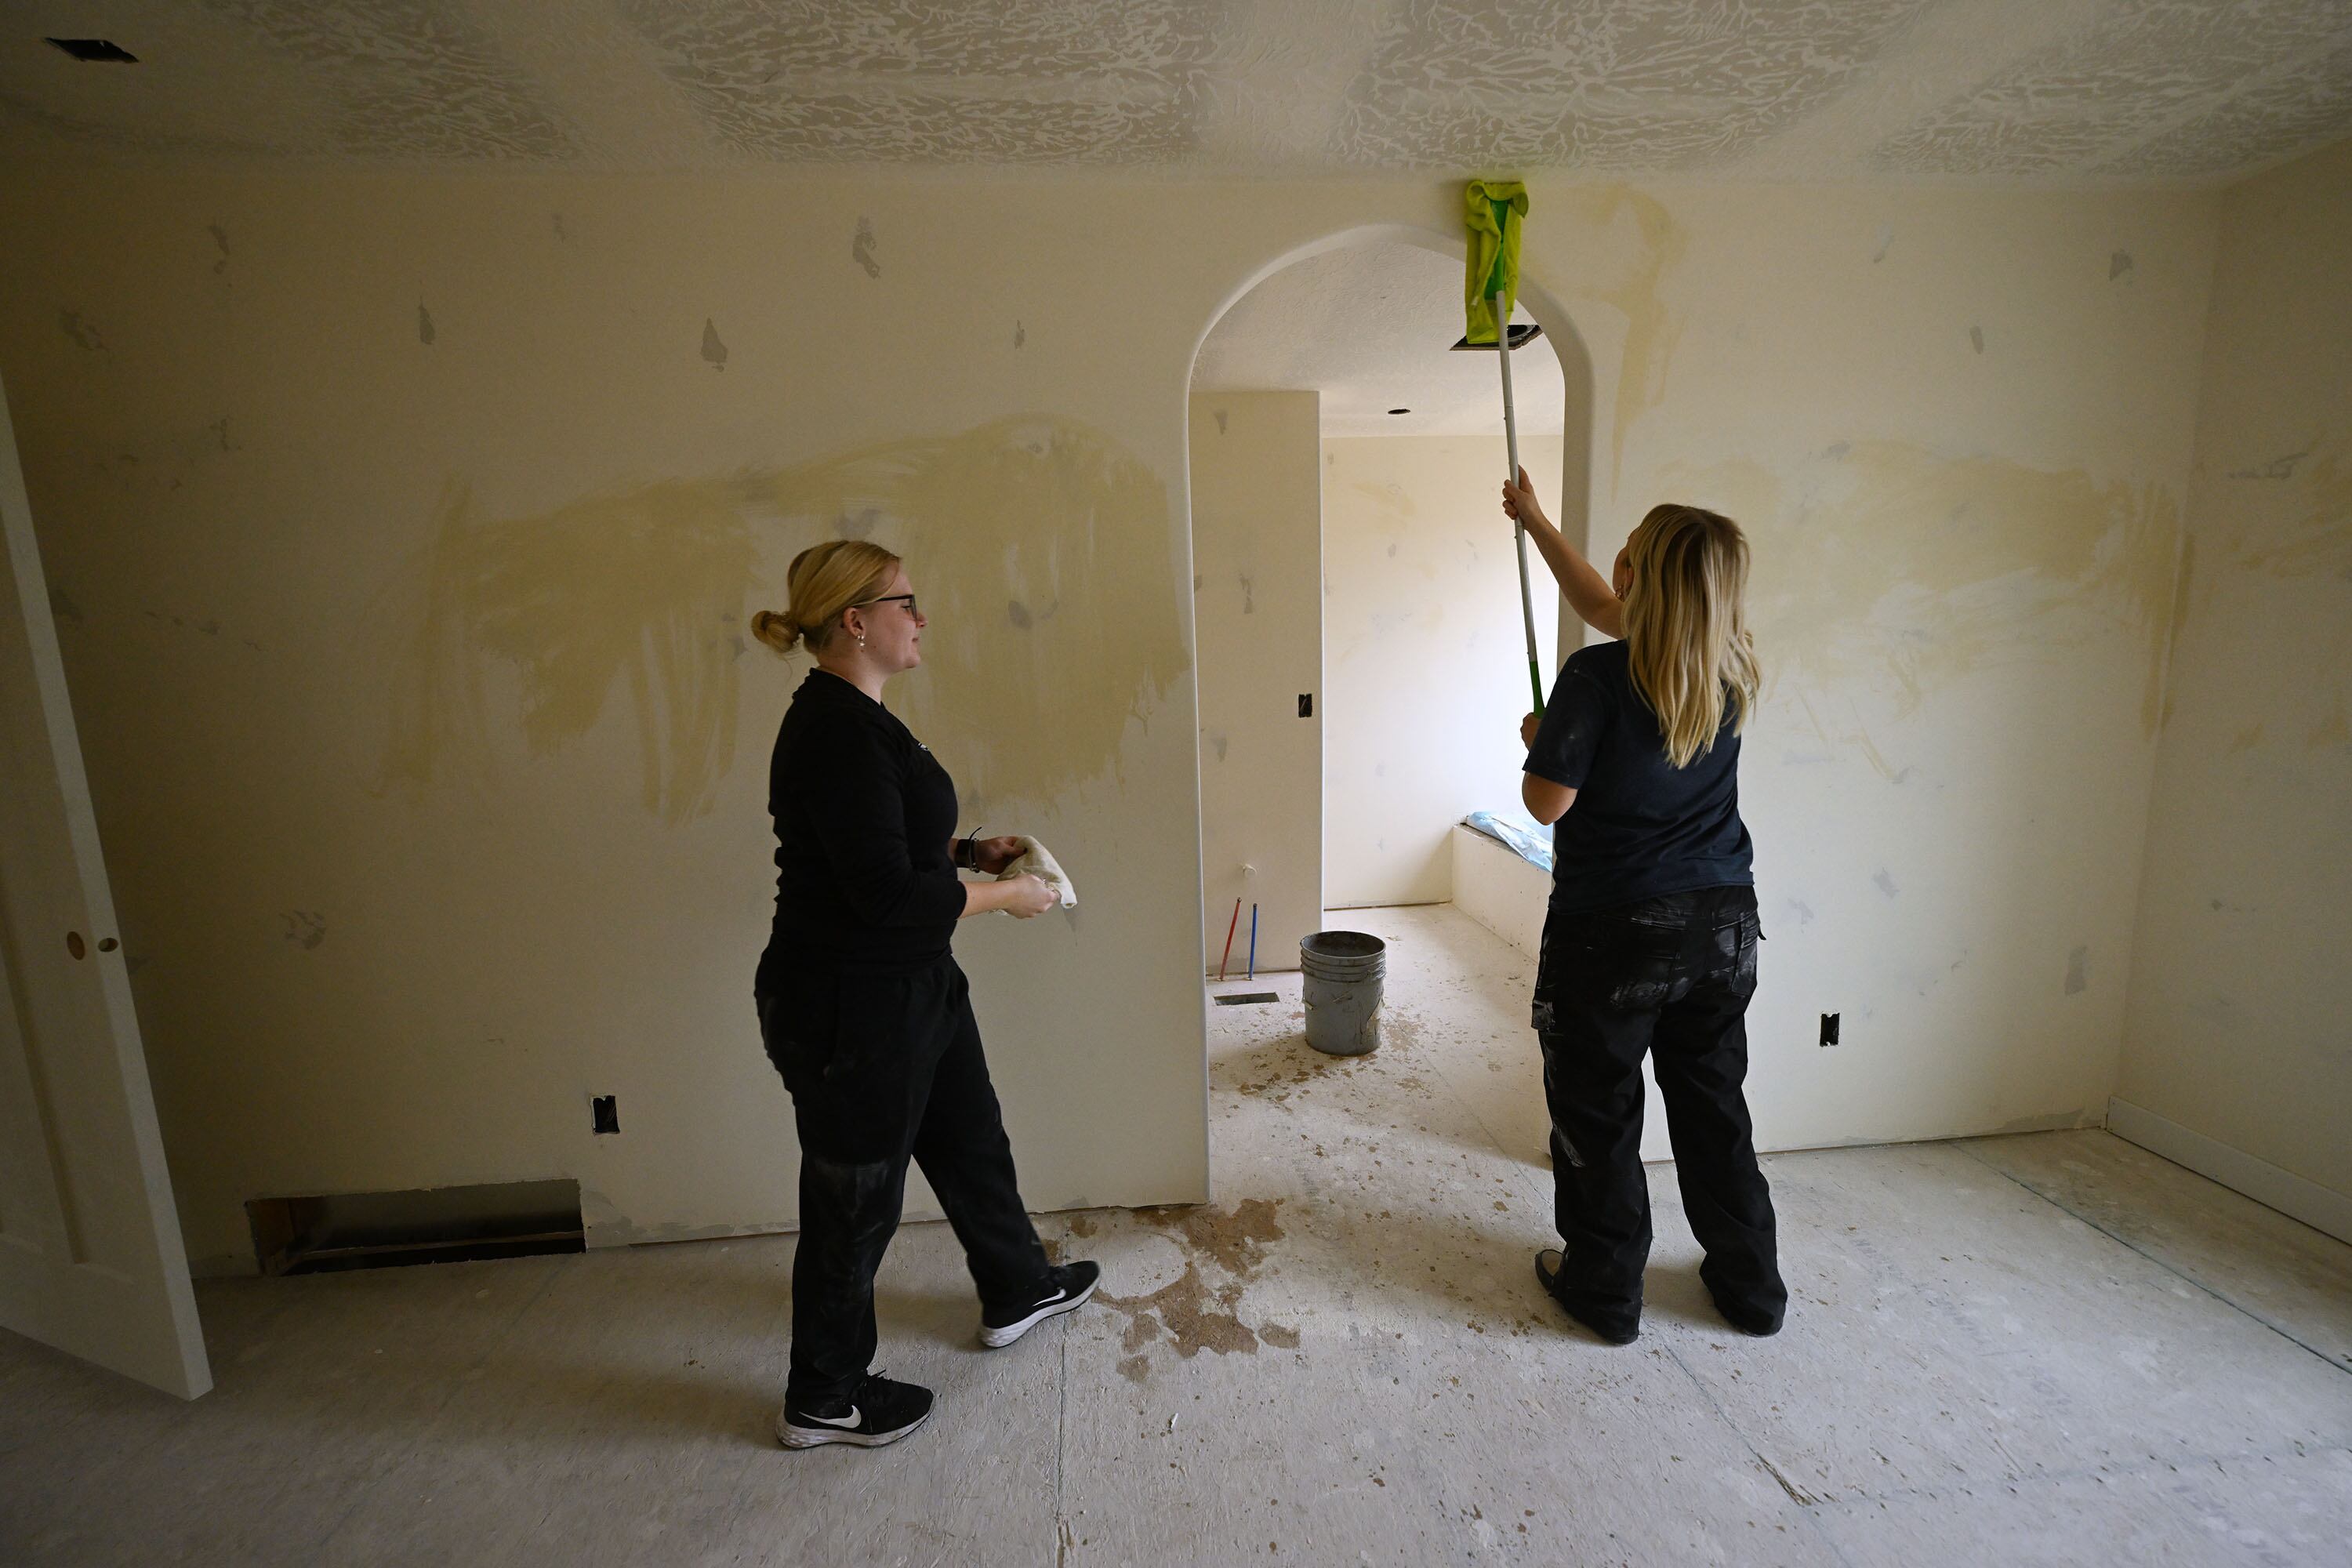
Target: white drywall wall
x,y
397,519
1425,652
2240,993
1258,628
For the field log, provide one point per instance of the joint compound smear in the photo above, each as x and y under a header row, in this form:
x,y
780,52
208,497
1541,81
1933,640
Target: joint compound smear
x,y
639,594
1891,567
2305,530
1633,241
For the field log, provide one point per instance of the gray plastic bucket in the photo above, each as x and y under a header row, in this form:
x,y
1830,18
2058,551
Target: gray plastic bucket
x,y
1343,990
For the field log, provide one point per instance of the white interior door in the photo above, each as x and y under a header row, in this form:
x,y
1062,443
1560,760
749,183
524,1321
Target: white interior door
x,y
90,1256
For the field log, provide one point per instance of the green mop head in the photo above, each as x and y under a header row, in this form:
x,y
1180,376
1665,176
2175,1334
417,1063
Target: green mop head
x,y
1497,207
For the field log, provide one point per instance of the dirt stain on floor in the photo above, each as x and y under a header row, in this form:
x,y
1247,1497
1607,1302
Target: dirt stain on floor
x,y
1188,1313
1235,1239
1284,1072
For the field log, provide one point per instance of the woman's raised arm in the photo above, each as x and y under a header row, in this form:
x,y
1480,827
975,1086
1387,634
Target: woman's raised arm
x,y
1588,593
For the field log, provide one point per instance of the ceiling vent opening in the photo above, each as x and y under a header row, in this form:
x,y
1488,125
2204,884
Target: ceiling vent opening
x,y
1522,334
97,51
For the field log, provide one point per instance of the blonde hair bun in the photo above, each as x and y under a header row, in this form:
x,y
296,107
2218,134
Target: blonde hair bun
x,y
778,631
824,581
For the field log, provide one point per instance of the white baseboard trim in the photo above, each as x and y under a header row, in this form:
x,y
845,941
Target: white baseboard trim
x,y
2322,1208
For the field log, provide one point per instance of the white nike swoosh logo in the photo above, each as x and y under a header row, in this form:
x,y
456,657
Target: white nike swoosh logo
x,y
848,1420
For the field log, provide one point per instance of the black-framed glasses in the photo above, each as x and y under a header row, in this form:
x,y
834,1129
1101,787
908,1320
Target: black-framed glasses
x,y
906,599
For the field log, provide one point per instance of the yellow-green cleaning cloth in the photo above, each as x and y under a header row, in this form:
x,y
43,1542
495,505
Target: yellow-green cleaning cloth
x,y
1492,268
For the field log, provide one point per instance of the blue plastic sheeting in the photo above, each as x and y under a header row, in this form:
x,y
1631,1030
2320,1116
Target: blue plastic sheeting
x,y
1519,835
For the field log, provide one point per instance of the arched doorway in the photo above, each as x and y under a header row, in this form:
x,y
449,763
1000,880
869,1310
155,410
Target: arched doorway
x,y
1303,780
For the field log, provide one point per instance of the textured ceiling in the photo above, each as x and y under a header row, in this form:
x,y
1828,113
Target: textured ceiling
x,y
1371,328
2137,91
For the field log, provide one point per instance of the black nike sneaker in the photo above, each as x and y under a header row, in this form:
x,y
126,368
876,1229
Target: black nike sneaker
x,y
1067,1286
879,1411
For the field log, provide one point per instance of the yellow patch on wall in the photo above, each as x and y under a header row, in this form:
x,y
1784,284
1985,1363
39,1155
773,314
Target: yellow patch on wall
x,y
1038,546
2333,729
1632,240
1888,564
1394,506
2290,520
2308,532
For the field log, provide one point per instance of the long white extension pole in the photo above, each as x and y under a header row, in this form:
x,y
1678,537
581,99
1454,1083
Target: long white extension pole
x,y
1518,530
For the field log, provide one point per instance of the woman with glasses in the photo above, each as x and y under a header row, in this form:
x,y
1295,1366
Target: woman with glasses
x,y
864,1011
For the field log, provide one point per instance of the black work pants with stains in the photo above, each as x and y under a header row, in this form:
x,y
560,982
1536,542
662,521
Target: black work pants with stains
x,y
1671,977
885,1068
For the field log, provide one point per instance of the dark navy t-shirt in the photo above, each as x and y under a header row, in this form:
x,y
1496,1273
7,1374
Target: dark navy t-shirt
x,y
1641,827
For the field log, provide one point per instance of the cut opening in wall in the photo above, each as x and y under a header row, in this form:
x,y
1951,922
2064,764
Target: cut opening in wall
x,y
338,1231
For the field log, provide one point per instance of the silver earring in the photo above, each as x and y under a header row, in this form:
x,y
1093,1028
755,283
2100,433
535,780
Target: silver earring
x,y
861,642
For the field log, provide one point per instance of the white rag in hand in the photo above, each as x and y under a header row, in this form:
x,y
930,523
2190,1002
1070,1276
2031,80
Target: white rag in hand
x,y
1036,860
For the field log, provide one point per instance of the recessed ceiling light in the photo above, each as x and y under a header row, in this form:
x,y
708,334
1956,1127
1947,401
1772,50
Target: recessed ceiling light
x,y
97,51
1400,410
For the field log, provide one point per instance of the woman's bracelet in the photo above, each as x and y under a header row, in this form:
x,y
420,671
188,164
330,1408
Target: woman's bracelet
x,y
967,852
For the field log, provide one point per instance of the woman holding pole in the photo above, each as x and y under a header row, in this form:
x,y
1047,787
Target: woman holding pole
x,y
1650,942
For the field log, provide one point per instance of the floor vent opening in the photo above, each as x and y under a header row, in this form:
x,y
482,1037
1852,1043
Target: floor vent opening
x,y
432,1224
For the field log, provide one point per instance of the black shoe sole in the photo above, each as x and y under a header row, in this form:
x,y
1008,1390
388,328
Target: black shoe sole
x,y
798,1437
996,1339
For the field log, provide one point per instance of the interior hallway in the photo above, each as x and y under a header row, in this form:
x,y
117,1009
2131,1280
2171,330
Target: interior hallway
x,y
2052,1348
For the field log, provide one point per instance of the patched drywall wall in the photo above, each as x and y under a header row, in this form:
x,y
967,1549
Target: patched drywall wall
x,y
416,847
429,740
2239,990
1258,624
1424,650
1964,541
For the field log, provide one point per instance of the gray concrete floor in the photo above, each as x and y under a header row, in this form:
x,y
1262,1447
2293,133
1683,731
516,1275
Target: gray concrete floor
x,y
2052,1348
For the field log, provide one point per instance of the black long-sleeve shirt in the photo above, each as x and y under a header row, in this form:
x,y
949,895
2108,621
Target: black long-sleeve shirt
x,y
862,816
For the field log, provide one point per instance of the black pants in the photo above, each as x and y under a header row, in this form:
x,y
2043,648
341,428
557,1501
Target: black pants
x,y
1670,976
885,1068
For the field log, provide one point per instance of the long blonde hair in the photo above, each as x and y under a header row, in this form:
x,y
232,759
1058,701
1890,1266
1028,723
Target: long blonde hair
x,y
822,582
1685,628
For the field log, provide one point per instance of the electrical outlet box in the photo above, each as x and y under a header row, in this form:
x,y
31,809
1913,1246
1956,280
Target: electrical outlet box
x,y
1829,1029
604,1113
